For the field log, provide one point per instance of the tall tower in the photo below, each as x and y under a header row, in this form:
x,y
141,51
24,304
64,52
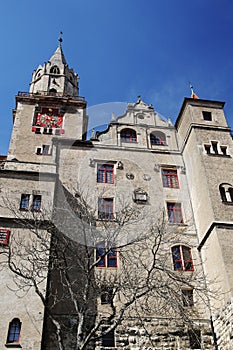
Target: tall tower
x,y
207,149
52,108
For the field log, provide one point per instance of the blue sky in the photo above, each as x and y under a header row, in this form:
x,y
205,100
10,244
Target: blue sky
x,y
121,49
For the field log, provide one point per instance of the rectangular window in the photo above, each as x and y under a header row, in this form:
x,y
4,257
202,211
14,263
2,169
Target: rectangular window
x,y
170,178
215,147
105,208
108,340
106,254
24,203
112,258
207,149
106,296
223,150
105,173
174,213
207,115
36,203
4,236
195,339
45,149
182,258
187,297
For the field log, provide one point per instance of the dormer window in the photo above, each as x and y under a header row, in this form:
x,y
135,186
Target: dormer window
x,y
55,70
128,135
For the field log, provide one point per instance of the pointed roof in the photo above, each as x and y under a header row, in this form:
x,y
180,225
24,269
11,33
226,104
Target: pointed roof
x,y
58,56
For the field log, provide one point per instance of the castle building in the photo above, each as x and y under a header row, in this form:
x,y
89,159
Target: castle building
x,y
182,170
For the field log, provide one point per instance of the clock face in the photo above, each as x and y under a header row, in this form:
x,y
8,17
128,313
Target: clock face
x,y
49,118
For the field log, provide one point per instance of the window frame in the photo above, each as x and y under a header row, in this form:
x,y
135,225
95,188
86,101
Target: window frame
x,y
4,236
24,202
35,201
106,296
226,193
169,176
207,116
187,297
173,208
108,340
15,328
158,138
128,135
106,204
109,254
180,262
105,173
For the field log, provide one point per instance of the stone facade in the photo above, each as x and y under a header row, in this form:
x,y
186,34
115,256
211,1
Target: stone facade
x,y
49,149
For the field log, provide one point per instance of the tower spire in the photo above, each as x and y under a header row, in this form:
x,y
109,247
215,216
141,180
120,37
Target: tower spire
x,y
193,95
60,38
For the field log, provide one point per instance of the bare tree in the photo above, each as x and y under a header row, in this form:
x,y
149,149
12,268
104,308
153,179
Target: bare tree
x,y
101,272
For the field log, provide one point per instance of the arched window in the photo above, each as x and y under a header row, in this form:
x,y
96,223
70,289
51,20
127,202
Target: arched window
x,y
52,90
14,331
157,138
128,135
182,258
55,70
107,255
38,73
226,192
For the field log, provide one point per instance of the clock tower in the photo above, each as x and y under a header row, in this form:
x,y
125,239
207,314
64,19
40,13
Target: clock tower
x,y
51,108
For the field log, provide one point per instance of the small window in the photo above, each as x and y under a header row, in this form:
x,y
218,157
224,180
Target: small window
x,y
105,208
108,340
207,115
14,331
24,203
55,70
36,203
187,297
174,213
48,131
105,173
38,131
226,192
170,178
106,296
195,339
223,150
207,149
214,147
107,255
158,138
128,135
182,258
44,150
4,236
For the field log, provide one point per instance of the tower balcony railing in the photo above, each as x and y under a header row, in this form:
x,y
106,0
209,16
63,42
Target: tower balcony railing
x,y
51,94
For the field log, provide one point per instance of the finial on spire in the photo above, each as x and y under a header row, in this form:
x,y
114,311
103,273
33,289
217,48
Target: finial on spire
x,y
193,95
60,38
